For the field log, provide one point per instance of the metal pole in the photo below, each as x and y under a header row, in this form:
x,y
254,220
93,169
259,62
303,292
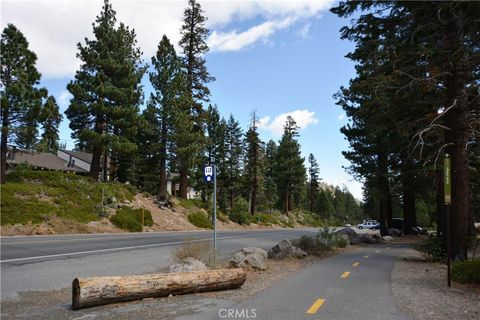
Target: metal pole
x,y
214,218
449,246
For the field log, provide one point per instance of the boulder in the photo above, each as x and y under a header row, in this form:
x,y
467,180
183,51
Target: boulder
x,y
285,249
298,253
366,238
387,238
394,232
250,257
188,265
378,238
345,237
352,235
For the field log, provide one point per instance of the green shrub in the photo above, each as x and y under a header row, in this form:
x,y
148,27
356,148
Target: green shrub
x,y
200,219
312,220
187,203
432,249
130,219
240,213
466,271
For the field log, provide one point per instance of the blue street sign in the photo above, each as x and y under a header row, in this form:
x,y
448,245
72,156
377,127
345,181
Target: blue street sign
x,y
208,173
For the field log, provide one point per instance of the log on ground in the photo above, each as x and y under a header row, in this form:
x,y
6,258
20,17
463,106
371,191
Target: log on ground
x,y
89,292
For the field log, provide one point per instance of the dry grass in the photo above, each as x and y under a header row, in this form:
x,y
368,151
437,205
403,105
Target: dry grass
x,y
202,251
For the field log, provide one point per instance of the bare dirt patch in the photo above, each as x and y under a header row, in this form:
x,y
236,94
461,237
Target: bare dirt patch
x,y
420,290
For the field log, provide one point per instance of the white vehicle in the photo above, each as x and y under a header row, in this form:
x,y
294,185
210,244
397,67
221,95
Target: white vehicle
x,y
370,224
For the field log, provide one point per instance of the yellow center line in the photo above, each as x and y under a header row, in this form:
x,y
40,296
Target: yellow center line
x,y
345,274
367,256
355,264
315,306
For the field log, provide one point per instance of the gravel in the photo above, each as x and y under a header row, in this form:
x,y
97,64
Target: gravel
x,y
420,290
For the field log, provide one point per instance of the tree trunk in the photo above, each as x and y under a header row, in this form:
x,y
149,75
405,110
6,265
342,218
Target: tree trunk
x,y
287,198
105,165
162,187
384,193
456,137
440,207
4,146
183,188
409,209
95,165
89,292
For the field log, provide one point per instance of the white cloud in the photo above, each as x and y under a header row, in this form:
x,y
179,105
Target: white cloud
x,y
64,100
54,27
341,116
233,41
303,118
304,32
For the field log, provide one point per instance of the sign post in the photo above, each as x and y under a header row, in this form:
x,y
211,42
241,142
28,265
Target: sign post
x,y
447,185
210,173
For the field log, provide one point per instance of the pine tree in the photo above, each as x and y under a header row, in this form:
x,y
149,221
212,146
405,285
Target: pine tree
x,y
271,192
234,152
313,186
164,79
149,149
290,174
253,164
194,47
21,99
106,91
50,118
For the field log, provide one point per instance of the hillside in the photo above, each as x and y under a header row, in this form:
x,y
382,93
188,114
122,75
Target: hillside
x,y
49,202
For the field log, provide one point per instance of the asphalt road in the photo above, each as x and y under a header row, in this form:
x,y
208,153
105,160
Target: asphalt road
x,y
39,263
350,285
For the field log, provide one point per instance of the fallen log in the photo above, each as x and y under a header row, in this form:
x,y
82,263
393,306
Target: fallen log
x,y
89,292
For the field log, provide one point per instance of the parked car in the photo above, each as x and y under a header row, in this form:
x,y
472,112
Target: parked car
x,y
398,223
370,224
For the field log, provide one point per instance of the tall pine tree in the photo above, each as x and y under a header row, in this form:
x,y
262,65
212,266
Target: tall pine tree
x,y
106,91
289,169
194,47
50,118
20,98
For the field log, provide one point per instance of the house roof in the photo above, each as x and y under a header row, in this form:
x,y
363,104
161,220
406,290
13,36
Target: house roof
x,y
42,160
84,156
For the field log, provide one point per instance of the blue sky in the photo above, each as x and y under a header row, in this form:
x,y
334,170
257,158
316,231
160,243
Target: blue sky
x,y
275,57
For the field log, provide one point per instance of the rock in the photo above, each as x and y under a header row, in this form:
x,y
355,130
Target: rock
x,y
188,265
352,235
394,232
345,237
250,257
366,238
285,249
298,253
378,238
387,238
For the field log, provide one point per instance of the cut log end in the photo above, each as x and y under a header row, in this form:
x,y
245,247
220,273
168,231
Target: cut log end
x,y
89,292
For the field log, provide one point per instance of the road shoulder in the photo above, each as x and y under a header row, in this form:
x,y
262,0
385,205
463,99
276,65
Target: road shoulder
x,y
420,290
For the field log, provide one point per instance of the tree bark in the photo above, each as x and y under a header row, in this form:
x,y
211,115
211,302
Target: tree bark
x,y
183,188
456,137
89,292
409,210
95,165
162,187
384,193
441,229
